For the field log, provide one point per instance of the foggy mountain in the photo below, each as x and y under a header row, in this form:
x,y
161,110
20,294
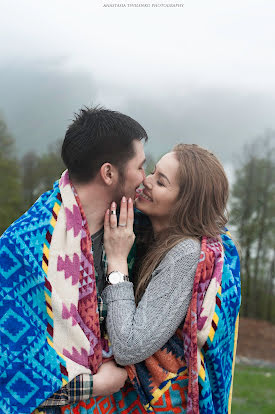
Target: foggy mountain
x,y
38,101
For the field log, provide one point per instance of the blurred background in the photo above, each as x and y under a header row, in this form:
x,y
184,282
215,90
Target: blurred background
x,y
202,73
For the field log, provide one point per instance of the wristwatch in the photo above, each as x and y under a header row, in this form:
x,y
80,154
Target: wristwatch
x,y
116,277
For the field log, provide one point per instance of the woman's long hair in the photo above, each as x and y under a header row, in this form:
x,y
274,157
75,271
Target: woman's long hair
x,y
200,209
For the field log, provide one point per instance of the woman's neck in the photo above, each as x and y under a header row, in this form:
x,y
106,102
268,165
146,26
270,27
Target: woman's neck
x,y
158,225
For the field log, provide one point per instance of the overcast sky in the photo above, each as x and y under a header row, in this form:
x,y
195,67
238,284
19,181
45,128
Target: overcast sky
x,y
201,73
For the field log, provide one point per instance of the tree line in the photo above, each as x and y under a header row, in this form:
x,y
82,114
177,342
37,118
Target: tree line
x,y
23,180
251,208
253,215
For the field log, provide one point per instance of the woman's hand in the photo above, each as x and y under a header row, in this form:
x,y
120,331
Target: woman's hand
x,y
108,379
119,237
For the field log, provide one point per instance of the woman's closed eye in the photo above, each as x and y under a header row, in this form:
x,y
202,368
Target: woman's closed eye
x,y
158,181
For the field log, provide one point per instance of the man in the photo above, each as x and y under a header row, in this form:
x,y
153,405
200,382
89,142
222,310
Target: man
x,y
51,312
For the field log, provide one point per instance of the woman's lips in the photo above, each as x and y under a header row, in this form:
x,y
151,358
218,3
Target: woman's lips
x,y
143,195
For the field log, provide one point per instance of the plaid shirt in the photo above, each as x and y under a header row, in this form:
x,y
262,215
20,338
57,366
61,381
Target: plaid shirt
x,y
102,307
79,389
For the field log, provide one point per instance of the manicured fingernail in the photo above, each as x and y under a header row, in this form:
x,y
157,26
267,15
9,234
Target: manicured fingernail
x,y
123,199
130,200
113,204
108,211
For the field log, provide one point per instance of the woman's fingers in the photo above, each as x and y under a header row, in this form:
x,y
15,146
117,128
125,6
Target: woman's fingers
x,y
130,217
123,213
126,216
107,220
118,239
113,217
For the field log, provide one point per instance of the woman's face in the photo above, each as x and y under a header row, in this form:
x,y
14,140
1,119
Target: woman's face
x,y
160,191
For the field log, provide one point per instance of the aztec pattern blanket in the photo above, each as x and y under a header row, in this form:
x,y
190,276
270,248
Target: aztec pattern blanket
x,y
38,355
49,322
193,372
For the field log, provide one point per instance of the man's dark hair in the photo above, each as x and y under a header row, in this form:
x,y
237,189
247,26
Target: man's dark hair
x,y
96,136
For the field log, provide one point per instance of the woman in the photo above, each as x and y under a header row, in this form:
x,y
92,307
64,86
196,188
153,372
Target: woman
x,y
179,327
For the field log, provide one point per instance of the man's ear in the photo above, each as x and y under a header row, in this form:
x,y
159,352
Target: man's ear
x,y
108,173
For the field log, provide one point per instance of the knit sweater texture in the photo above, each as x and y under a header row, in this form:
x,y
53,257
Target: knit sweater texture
x,y
137,332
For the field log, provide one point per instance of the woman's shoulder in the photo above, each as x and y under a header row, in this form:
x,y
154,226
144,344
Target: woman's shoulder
x,y
190,248
185,247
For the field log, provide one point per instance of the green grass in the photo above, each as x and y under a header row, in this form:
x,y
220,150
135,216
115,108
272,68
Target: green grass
x,y
253,390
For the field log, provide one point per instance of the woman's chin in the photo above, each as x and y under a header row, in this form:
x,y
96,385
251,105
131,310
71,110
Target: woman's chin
x,y
140,206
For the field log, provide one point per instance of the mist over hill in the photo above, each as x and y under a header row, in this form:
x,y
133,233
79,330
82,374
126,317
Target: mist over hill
x,y
38,101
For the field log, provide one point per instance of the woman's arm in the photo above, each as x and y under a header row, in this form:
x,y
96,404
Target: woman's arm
x,y
138,332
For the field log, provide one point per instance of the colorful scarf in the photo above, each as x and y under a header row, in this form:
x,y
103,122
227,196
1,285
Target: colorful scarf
x,y
49,321
193,372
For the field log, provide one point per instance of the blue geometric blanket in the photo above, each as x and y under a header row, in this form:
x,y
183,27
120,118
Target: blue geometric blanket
x,y
49,322
26,358
32,367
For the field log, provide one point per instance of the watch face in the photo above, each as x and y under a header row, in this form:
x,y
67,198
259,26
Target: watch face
x,y
116,277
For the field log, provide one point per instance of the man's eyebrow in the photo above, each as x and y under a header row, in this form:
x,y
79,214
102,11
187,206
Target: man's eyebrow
x,y
143,162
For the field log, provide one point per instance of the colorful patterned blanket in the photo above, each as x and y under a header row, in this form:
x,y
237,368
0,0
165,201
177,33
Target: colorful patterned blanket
x,y
193,372
49,322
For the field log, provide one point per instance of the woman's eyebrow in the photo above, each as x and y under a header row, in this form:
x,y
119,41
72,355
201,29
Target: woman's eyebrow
x,y
164,176
161,174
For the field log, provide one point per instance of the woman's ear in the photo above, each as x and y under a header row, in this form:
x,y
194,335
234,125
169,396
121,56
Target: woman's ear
x,y
108,173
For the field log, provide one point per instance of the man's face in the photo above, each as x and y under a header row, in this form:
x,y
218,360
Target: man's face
x,y
133,174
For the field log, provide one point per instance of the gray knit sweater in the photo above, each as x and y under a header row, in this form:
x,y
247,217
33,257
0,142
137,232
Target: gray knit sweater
x,y
137,332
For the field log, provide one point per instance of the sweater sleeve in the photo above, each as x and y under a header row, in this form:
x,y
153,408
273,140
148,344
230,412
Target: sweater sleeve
x,y
137,332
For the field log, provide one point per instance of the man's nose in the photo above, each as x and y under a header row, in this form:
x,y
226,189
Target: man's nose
x,y
147,183
143,174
